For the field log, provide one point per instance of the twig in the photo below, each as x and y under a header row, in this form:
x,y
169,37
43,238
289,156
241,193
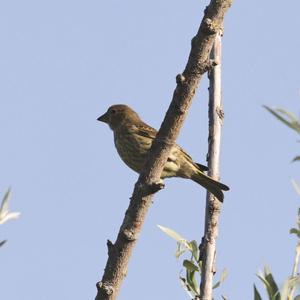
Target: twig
x,y
187,82
213,206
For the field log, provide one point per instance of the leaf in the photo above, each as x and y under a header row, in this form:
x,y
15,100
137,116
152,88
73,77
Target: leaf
x,y
256,294
289,119
295,231
223,276
5,215
289,284
297,297
187,288
270,284
195,250
173,234
192,282
273,287
2,243
182,244
296,158
179,252
265,278
190,265
182,247
296,186
288,114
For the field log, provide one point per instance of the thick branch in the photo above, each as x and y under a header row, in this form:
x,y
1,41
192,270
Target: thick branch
x,y
213,206
187,82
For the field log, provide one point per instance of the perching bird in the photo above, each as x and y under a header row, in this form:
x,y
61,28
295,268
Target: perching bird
x,y
133,139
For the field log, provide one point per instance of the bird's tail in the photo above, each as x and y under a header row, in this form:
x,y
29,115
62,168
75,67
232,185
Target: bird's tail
x,y
213,186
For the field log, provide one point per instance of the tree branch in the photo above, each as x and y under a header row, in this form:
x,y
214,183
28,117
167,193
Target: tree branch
x,y
213,205
148,182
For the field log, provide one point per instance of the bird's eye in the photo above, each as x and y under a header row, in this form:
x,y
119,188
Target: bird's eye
x,y
113,111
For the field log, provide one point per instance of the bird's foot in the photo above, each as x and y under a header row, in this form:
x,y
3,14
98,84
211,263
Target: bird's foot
x,y
157,186
147,189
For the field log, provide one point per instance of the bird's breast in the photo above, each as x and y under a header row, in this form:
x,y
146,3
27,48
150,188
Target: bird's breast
x,y
133,149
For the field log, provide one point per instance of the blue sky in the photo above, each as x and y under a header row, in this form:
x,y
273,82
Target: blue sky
x,y
62,63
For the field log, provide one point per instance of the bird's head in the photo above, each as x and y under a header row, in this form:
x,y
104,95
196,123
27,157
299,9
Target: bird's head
x,y
119,114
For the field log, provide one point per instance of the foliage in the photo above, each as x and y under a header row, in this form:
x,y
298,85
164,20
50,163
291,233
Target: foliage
x,y
5,214
193,266
290,285
287,118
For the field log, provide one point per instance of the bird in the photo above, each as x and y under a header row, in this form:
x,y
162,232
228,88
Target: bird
x,y
133,139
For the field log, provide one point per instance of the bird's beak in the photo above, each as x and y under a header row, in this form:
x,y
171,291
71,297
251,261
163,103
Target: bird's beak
x,y
103,118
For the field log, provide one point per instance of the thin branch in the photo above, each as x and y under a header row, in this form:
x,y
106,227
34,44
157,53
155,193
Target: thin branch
x,y
213,206
148,182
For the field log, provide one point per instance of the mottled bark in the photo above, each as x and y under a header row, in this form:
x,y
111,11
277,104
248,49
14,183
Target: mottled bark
x,y
148,182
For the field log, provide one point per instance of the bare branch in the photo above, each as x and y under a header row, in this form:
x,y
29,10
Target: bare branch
x,y
149,179
213,206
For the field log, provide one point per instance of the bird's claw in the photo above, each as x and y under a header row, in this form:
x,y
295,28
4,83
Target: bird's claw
x,y
155,187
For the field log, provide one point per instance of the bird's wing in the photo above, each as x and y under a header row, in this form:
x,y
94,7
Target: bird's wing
x,y
147,131
144,130
189,159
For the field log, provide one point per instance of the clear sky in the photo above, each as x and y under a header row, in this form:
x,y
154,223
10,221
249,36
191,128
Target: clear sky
x,y
62,63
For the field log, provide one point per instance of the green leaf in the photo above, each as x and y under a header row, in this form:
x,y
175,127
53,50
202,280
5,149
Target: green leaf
x,y
223,276
192,281
296,186
296,158
182,244
187,288
179,252
289,284
270,284
285,117
190,265
288,114
256,294
274,291
297,297
171,233
195,250
295,231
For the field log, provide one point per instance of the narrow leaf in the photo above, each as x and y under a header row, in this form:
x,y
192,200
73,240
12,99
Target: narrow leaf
x,y
296,158
2,243
190,265
179,252
296,186
273,287
5,215
289,284
223,276
171,233
290,119
295,231
192,282
187,288
256,294
195,250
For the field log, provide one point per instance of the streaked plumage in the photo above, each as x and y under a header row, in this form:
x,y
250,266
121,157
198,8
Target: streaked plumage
x,y
133,139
